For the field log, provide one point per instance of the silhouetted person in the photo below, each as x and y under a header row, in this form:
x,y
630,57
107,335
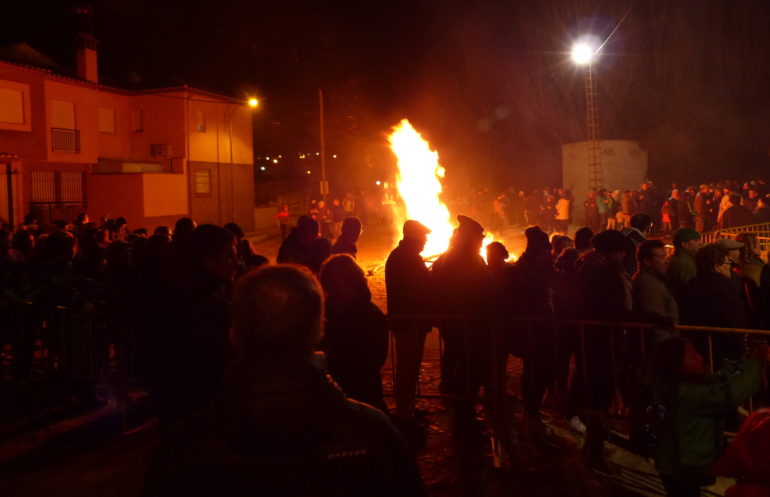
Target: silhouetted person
x,y
636,233
192,341
712,300
356,333
305,246
346,243
278,425
410,293
464,289
736,214
604,290
530,294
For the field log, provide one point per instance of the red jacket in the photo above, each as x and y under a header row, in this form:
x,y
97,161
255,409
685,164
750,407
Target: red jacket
x,y
747,458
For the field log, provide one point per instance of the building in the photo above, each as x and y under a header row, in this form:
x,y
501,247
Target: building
x,y
624,167
151,156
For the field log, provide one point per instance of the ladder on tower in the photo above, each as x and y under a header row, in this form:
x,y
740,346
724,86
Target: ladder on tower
x,y
594,144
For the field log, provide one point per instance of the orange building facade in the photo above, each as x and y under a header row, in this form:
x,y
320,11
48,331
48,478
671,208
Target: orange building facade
x,y
150,156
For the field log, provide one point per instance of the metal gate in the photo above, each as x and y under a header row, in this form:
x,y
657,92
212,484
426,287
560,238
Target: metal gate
x,y
57,195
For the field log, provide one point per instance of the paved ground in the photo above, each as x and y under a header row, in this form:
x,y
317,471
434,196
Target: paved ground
x,y
97,462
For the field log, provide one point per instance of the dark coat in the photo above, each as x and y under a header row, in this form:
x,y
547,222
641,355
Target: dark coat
x,y
737,215
713,300
409,288
356,344
345,246
309,253
283,429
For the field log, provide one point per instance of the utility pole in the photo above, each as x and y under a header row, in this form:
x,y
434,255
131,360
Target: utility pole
x,y
324,182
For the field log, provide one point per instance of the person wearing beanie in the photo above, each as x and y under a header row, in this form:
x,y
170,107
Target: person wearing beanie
x,y
604,288
681,265
464,287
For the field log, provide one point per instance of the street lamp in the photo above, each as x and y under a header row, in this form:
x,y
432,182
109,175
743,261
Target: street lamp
x,y
253,103
584,53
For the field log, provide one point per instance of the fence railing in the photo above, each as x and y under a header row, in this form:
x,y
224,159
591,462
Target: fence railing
x,y
762,230
65,140
55,351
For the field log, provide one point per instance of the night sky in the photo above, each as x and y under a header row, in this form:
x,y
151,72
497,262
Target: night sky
x,y
488,82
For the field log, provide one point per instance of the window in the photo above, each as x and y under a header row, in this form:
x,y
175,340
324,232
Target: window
x,y
62,114
11,106
14,106
106,120
200,121
202,182
137,120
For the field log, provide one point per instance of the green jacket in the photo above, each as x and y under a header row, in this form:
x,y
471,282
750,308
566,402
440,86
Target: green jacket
x,y
681,270
691,435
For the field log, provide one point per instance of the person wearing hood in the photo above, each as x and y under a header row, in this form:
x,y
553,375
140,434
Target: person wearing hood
x,y
278,425
464,288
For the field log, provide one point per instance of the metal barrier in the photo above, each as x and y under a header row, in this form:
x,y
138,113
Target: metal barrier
x,y
762,231
52,356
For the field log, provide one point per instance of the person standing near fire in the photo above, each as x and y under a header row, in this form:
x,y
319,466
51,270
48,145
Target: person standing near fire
x,y
409,292
464,289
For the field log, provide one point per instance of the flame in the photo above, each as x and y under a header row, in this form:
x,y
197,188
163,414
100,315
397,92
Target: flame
x,y
419,185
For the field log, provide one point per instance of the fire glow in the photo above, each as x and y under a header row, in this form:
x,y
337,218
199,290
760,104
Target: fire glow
x,y
419,185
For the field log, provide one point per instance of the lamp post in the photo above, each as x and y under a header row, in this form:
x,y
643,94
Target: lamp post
x,y
584,54
253,103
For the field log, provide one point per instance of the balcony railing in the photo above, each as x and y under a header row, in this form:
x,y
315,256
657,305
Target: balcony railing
x,y
65,140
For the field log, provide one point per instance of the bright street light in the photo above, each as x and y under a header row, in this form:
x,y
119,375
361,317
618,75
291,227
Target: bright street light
x,y
583,54
253,102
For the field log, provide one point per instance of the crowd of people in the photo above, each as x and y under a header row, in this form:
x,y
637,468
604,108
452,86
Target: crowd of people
x,y
269,375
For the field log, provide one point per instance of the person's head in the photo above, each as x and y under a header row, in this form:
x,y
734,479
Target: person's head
x,y
753,193
677,358
321,204
763,201
182,228
23,241
687,239
163,231
343,281
307,227
469,234
538,245
704,188
336,202
583,239
611,244
750,247
277,313
735,200
235,230
118,255
351,228
713,258
212,250
559,243
60,245
497,254
121,224
675,194
733,248
642,222
651,254
82,218
416,233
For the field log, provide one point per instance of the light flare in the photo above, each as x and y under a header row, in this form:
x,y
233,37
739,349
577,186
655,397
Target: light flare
x,y
419,184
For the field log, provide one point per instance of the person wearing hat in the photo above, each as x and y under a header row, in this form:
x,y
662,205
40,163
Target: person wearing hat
x,y
604,288
711,299
702,208
409,293
681,265
464,287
